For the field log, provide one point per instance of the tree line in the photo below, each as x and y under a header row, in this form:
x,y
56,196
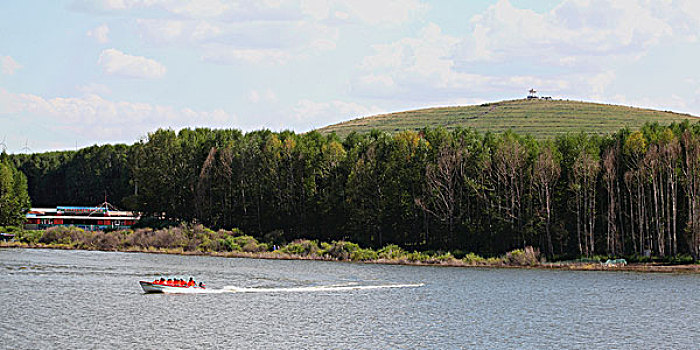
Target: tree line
x,y
14,198
628,193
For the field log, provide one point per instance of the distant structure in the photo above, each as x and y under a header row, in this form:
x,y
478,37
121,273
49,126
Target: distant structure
x,y
105,216
532,95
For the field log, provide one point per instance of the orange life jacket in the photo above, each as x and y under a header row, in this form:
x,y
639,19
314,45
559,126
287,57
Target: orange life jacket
x,y
191,283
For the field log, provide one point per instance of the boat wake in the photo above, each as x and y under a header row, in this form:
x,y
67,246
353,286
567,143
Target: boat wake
x,y
312,289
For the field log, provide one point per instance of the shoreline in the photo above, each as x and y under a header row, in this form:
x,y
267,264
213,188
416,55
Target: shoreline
x,y
642,268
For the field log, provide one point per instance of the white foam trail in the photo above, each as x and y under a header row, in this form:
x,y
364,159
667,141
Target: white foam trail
x,y
332,288
235,289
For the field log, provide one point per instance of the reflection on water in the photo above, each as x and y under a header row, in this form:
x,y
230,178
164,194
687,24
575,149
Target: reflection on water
x,y
85,300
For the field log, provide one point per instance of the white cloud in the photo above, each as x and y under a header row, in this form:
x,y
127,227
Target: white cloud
x,y
115,62
8,65
200,8
386,12
576,31
93,117
576,49
265,96
227,55
317,114
101,33
255,42
416,65
426,56
277,30
94,89
672,102
161,30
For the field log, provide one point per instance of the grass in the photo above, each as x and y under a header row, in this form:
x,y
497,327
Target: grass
x,y
540,118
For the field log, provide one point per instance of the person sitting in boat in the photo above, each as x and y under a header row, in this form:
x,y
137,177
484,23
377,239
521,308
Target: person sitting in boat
x,y
169,282
201,285
191,283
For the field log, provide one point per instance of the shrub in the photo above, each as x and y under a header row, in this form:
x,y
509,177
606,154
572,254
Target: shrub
x,y
363,255
443,257
230,244
250,244
341,250
29,236
173,237
527,257
107,240
209,245
301,247
473,259
418,256
140,238
62,235
391,251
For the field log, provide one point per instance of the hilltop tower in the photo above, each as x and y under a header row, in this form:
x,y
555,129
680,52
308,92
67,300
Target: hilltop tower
x,y
532,94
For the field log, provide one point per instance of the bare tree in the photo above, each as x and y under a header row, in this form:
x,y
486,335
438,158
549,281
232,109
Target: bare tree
x,y
585,171
691,171
546,172
610,179
509,163
444,183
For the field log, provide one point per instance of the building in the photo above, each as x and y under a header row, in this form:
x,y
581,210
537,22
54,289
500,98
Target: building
x,y
102,217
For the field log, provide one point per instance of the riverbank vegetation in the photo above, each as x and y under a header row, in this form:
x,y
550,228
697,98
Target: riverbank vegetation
x,y
632,193
198,240
186,239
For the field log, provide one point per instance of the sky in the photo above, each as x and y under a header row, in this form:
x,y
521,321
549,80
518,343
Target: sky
x,y
75,73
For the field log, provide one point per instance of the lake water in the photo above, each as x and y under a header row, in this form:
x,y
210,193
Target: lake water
x,y
92,300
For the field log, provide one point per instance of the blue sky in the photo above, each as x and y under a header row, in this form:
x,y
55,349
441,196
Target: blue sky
x,y
78,72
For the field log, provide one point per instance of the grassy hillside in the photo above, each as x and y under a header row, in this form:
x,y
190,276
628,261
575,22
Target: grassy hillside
x,y
540,118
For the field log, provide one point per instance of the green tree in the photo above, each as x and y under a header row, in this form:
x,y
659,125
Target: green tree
x,y
14,199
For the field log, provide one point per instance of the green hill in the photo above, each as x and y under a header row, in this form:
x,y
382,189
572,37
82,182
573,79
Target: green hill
x,y
538,117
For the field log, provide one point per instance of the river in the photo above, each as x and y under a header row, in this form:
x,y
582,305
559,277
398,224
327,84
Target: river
x,y
51,299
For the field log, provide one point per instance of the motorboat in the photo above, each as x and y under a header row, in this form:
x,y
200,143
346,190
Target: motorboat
x,y
150,287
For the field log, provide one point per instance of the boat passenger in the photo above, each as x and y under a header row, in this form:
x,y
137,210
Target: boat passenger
x,y
201,285
191,283
169,282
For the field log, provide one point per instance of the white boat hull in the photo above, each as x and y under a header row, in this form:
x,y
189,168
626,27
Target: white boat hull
x,y
149,287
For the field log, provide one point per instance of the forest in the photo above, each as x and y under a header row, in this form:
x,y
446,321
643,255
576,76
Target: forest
x,y
631,193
